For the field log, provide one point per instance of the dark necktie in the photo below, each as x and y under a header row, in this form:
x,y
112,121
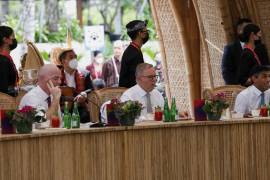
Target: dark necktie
x,y
148,103
262,102
49,101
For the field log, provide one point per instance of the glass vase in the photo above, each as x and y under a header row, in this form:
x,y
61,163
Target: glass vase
x,y
127,121
213,116
24,127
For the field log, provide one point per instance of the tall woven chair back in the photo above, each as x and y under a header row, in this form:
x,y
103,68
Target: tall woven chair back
x,y
7,101
230,91
98,97
19,97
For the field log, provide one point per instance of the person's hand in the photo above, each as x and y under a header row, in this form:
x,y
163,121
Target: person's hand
x,y
81,98
54,90
184,114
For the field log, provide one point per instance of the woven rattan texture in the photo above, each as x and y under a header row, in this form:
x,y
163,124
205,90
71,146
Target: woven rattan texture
x,y
7,101
230,92
211,17
263,7
176,66
205,79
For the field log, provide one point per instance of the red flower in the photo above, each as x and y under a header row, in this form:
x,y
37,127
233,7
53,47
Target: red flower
x,y
25,109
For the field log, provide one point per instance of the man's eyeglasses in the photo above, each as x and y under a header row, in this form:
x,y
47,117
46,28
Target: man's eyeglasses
x,y
151,77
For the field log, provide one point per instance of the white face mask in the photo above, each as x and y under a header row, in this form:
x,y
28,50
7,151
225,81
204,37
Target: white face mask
x,y
99,60
73,64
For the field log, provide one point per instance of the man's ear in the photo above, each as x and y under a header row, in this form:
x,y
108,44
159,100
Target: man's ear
x,y
253,78
5,39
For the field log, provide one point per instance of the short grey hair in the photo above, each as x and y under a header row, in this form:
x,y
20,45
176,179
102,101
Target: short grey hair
x,y
141,67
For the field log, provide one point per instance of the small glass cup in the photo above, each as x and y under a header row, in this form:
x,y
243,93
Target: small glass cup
x,y
264,111
158,115
55,122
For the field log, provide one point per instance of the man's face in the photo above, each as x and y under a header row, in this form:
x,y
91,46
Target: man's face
x,y
148,79
262,80
258,35
70,55
144,34
55,77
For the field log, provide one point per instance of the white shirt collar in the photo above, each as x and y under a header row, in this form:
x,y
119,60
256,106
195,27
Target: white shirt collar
x,y
255,90
141,91
242,44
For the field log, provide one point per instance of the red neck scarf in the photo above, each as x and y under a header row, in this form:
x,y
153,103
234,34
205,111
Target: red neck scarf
x,y
135,45
254,53
7,55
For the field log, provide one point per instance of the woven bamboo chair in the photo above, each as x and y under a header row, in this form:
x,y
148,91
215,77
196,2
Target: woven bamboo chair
x,y
19,97
7,101
98,97
230,91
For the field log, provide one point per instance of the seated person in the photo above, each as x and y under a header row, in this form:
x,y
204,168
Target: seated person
x,y
47,93
144,91
72,78
257,94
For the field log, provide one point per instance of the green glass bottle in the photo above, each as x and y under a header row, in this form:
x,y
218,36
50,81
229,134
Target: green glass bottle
x,y
173,110
67,117
75,118
166,111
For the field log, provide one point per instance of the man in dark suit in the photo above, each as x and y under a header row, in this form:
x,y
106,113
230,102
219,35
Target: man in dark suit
x,y
233,51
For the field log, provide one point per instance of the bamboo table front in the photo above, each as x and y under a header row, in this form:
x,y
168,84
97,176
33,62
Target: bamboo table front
x,y
184,150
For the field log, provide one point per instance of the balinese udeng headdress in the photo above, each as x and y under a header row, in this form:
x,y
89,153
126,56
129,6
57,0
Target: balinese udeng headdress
x,y
137,25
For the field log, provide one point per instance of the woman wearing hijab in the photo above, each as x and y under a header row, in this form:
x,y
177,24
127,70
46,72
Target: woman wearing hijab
x,y
8,71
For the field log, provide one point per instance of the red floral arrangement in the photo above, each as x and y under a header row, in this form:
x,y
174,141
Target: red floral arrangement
x,y
23,119
215,103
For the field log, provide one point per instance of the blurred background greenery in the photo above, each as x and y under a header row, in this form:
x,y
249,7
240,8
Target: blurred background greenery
x,y
49,20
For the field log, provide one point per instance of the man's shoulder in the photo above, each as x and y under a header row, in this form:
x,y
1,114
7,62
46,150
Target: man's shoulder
x,y
130,52
132,89
108,62
33,92
247,92
233,45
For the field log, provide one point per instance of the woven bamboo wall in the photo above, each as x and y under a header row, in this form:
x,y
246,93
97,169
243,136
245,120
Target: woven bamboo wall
x,y
185,75
213,33
263,7
205,76
174,65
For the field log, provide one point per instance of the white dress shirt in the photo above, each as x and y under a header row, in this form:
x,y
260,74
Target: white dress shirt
x,y
70,79
136,93
36,97
249,99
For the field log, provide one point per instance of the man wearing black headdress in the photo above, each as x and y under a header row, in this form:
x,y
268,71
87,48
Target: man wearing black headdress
x,y
133,56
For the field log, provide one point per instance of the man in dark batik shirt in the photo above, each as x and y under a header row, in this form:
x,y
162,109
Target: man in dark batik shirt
x,y
133,56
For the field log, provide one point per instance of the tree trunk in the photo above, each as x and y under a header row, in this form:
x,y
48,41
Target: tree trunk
x,y
28,20
51,9
4,10
118,21
79,12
